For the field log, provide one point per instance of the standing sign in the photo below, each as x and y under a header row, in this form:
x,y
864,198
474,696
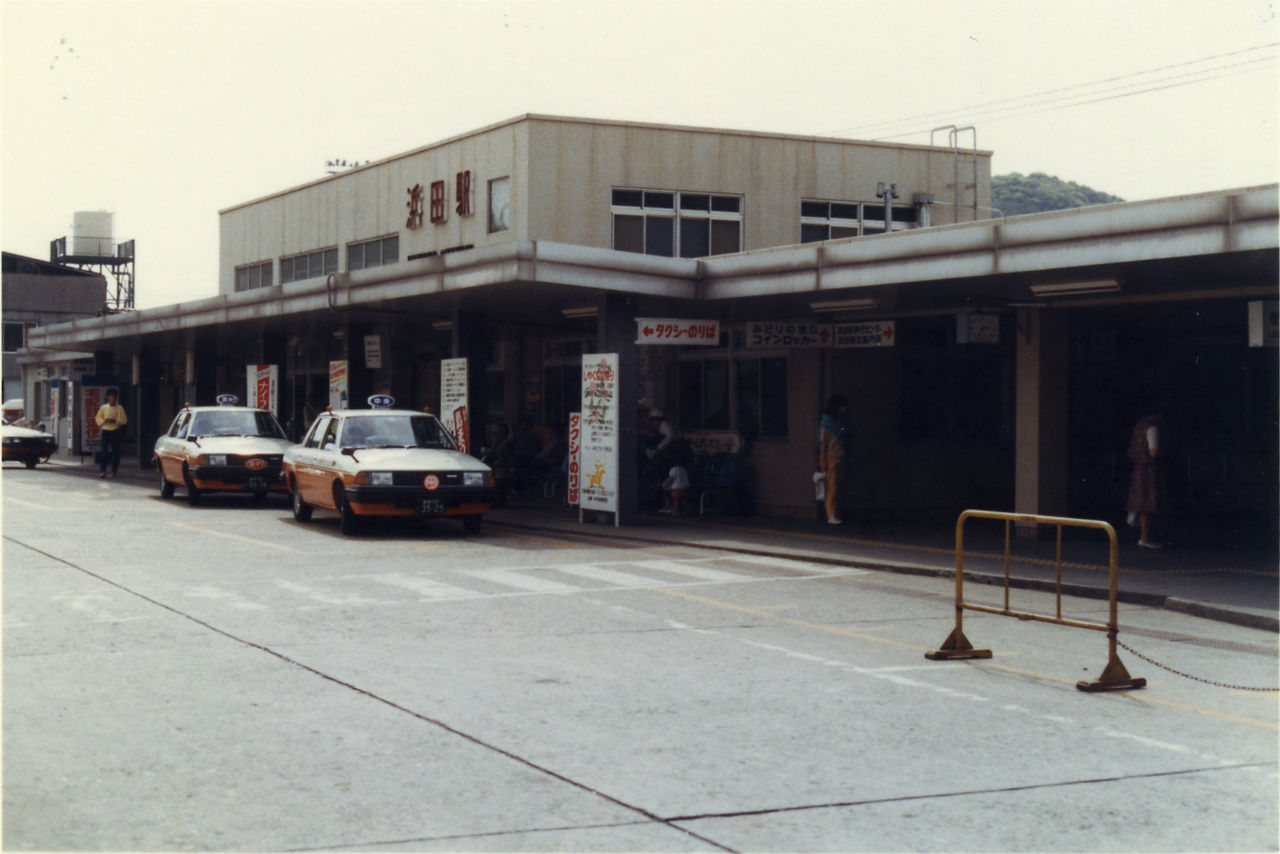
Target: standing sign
x,y
453,401
264,386
338,384
92,397
575,458
600,433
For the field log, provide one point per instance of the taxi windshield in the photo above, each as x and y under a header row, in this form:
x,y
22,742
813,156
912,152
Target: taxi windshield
x,y
395,431
236,424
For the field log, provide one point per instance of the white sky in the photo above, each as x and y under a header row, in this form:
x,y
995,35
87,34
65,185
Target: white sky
x,y
164,112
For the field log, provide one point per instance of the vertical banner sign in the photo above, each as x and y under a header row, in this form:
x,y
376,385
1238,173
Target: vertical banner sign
x,y
338,384
53,406
453,401
575,458
93,397
373,352
599,489
264,386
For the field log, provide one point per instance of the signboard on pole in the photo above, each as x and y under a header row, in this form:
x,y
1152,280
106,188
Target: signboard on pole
x,y
575,459
91,397
338,376
264,386
670,330
599,489
453,401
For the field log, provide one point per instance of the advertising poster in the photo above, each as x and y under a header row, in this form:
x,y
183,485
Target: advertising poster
x,y
264,386
453,401
598,488
92,396
575,458
338,384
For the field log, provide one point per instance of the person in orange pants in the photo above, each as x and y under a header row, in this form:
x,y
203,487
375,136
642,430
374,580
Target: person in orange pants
x,y
833,437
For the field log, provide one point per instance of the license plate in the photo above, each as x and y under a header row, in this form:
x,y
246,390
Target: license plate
x,y
430,505
255,483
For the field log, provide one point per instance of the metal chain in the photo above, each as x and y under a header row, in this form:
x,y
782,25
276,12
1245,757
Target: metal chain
x,y
1188,675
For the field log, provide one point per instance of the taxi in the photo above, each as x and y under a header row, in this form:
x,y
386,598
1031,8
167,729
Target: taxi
x,y
223,448
383,461
27,446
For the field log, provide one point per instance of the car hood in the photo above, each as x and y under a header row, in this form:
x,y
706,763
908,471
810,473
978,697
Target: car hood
x,y
245,446
417,459
10,431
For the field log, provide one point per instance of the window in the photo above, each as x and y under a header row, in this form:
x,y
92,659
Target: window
x,y
499,204
824,220
308,265
762,396
676,224
253,276
704,394
15,335
373,253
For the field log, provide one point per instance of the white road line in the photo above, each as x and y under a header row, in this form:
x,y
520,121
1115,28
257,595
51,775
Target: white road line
x,y
621,579
678,568
425,587
521,581
325,597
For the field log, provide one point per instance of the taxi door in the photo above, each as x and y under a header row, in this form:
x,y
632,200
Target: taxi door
x,y
170,448
311,468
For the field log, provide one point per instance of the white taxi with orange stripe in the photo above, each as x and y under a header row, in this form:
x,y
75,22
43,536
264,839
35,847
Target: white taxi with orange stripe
x,y
385,462
224,448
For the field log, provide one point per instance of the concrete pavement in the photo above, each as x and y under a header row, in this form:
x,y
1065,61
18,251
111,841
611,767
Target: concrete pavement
x,y
1239,587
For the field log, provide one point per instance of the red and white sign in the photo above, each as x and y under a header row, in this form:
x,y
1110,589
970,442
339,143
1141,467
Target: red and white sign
x,y
431,482
669,330
575,457
453,401
338,384
91,434
255,464
264,386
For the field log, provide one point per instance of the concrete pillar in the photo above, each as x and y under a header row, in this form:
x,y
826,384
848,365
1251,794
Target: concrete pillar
x,y
471,341
1040,478
616,333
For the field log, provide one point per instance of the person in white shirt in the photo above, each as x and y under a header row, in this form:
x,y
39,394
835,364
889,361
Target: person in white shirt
x,y
675,490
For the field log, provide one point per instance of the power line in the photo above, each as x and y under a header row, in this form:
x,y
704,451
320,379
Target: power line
x,y
935,115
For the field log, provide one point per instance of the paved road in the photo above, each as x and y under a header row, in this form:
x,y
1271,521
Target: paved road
x,y
225,678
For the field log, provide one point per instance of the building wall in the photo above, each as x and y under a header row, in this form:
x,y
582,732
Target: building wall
x,y
561,172
42,299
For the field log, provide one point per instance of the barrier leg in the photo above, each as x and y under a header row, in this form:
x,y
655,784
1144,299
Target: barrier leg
x,y
1115,676
956,646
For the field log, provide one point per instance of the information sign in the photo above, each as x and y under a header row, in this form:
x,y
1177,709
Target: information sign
x,y
599,487
264,384
876,333
453,401
667,330
338,375
575,458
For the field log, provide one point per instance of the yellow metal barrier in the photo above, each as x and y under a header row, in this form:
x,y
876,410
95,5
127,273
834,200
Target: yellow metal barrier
x,y
1114,676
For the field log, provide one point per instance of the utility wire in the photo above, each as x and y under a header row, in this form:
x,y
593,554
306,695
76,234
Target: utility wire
x,y
1009,101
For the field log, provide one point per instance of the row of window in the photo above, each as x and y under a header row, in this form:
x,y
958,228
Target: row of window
x,y
15,335
361,255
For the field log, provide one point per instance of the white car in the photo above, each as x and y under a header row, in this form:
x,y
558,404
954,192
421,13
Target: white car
x,y
225,448
28,446
385,462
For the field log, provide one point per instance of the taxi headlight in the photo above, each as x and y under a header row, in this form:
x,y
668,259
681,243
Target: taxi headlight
x,y
473,478
374,478
215,459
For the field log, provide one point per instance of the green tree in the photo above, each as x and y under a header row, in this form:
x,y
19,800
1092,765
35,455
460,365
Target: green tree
x,y
1016,193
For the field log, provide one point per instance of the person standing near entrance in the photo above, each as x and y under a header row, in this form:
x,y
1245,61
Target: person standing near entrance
x,y
833,437
111,419
1146,488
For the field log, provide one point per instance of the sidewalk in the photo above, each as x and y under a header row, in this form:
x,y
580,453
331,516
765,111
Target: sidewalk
x,y
1242,588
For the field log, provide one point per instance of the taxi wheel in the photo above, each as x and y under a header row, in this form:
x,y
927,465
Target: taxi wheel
x,y
30,462
301,509
350,522
193,494
471,524
166,488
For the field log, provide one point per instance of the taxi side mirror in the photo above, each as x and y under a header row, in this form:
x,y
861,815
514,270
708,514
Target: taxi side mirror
x,y
348,452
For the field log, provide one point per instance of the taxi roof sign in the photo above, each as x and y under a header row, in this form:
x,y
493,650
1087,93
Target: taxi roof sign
x,y
227,400
381,401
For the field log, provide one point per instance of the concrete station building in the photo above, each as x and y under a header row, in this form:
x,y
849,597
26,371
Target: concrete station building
x,y
991,362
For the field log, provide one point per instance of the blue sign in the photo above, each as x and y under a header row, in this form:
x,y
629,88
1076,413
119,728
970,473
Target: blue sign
x,y
381,401
227,400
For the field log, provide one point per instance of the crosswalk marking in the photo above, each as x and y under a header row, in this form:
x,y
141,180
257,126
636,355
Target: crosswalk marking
x,y
521,580
425,587
678,568
596,573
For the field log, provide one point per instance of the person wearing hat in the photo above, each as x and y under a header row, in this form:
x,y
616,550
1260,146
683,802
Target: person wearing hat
x,y
665,430
111,419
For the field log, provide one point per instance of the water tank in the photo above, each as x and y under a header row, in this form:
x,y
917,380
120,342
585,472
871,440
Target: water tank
x,y
93,234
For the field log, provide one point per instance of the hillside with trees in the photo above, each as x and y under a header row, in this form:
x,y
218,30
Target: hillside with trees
x,y
1016,193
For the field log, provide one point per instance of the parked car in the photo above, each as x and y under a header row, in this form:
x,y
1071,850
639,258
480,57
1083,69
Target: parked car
x,y
27,446
385,462
224,448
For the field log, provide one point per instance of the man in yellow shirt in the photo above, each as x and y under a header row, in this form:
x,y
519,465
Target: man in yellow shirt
x,y
111,419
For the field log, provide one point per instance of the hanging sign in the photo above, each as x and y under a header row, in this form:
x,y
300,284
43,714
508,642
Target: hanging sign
x,y
338,384
667,330
264,386
453,401
793,335
373,352
575,458
599,487
877,333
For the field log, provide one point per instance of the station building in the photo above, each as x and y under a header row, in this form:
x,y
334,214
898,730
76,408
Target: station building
x,y
991,362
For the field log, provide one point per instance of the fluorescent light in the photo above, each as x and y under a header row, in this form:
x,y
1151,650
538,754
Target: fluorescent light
x,y
581,311
442,325
843,304
1101,286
